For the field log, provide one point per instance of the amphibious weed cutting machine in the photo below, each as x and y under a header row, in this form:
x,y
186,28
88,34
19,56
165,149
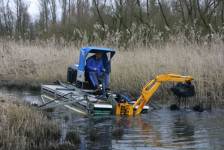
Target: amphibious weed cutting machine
x,y
78,96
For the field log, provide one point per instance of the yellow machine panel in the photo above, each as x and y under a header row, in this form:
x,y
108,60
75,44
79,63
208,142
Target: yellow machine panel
x,y
124,109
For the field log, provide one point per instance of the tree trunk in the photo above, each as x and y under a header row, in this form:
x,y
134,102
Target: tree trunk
x,y
53,11
222,13
204,22
182,12
140,12
147,7
98,12
64,11
162,12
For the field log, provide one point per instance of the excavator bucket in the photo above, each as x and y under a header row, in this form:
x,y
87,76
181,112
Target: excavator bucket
x,y
183,90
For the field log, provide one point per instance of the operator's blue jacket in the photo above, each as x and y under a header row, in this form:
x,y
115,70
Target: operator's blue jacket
x,y
96,67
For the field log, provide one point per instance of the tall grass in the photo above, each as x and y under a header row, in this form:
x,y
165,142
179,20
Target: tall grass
x,y
131,67
23,128
36,62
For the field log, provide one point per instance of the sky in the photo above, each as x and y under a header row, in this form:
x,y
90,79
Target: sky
x,y
33,9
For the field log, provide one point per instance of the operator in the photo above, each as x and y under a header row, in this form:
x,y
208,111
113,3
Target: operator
x,y
98,70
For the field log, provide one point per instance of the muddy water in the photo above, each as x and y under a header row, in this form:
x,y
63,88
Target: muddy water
x,y
159,129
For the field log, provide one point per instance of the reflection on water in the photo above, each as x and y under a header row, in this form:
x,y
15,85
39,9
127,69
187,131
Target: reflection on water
x,y
183,131
159,129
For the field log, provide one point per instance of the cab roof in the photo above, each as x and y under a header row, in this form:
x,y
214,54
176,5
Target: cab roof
x,y
93,49
86,50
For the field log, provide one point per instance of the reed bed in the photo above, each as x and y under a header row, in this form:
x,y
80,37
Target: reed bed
x,y
36,62
24,128
132,67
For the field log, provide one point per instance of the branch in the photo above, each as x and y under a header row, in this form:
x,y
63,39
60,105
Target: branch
x,y
202,17
164,17
182,12
98,12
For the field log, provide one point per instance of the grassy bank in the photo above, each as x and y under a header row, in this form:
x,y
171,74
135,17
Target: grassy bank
x,y
24,128
131,67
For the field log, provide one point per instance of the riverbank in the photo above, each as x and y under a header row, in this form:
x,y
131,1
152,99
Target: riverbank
x,y
23,127
33,64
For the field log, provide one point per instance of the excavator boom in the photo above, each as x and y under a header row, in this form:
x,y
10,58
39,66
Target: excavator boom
x,y
148,90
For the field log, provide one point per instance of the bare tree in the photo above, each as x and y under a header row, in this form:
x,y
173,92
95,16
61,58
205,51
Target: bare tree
x,y
182,11
119,14
6,18
96,4
44,14
140,11
64,11
147,7
206,16
53,7
22,18
163,14
222,13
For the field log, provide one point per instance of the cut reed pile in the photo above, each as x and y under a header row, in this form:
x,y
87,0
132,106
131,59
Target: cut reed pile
x,y
131,68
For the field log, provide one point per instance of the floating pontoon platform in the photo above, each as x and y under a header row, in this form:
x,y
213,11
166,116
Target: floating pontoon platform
x,y
77,100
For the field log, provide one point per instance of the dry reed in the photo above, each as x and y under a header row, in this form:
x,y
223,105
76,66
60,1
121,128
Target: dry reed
x,y
25,128
131,68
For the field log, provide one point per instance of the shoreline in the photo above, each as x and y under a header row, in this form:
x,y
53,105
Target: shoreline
x,y
162,98
24,127
20,85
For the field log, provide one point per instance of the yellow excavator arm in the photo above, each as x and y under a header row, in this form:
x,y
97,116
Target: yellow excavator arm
x,y
148,90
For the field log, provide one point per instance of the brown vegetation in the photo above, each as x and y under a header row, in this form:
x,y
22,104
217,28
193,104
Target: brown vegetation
x,y
36,62
25,128
131,68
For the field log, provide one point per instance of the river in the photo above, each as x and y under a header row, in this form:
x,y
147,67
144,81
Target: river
x,y
158,129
